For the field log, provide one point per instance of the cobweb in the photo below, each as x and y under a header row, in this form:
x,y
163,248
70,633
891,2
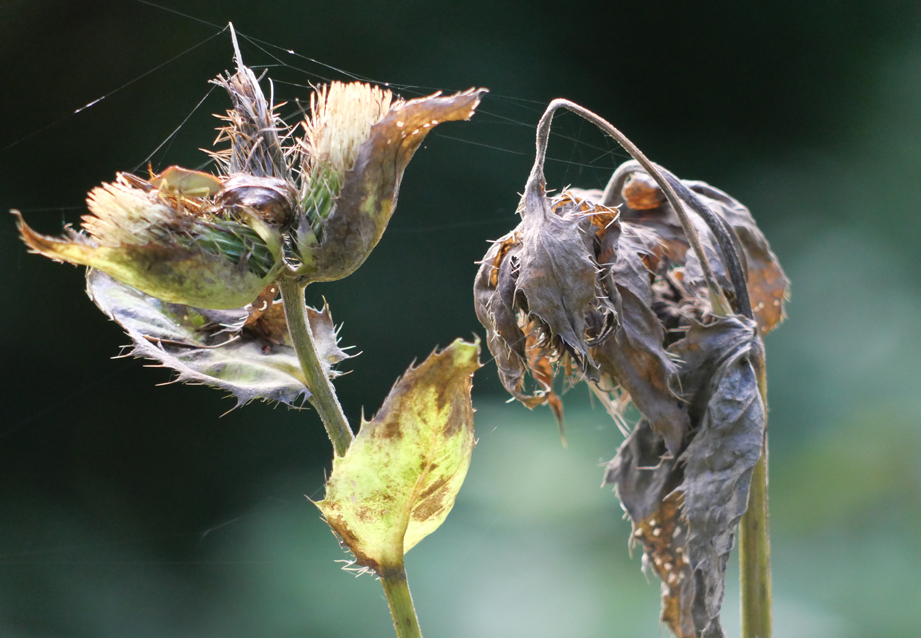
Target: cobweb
x,y
78,428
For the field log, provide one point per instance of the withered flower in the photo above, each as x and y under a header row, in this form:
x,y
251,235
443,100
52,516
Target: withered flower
x,y
622,290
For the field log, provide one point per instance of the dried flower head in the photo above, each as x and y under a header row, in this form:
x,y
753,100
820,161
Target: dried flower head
x,y
623,289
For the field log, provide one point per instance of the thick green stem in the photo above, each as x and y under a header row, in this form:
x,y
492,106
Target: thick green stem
x,y
396,588
755,546
322,395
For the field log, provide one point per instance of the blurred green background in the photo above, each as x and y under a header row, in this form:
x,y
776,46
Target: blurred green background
x,y
129,510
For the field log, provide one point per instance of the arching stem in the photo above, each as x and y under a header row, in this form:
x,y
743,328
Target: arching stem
x,y
536,181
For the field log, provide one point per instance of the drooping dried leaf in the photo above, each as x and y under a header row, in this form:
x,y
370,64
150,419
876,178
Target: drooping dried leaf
x,y
518,344
217,348
636,358
369,190
686,512
631,188
645,482
557,273
398,480
768,286
496,311
720,361
536,322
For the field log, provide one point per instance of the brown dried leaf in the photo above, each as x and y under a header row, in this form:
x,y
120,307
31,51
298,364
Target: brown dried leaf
x,y
557,273
645,482
720,363
636,358
768,287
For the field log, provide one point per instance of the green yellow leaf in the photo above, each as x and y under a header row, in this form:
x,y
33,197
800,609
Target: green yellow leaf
x,y
398,481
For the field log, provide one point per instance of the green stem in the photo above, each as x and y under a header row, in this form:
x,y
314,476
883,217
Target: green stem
x,y
396,588
322,394
755,546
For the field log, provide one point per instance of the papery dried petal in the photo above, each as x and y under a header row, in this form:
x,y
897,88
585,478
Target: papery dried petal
x,y
251,360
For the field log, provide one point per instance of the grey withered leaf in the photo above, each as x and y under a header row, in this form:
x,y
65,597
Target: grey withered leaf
x,y
768,286
720,364
493,294
645,483
557,272
642,202
685,512
535,321
635,357
637,361
246,351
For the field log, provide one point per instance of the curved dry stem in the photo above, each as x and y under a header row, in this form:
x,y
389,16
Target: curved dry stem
x,y
536,183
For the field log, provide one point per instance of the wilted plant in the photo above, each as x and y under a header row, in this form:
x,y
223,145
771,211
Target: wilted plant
x,y
620,289
190,265
625,291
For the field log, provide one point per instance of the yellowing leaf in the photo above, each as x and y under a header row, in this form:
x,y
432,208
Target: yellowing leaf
x,y
398,480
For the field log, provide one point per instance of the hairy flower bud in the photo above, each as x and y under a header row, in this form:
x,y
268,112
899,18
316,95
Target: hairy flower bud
x,y
358,142
173,245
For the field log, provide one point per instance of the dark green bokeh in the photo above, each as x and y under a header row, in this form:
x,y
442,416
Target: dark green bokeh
x,y
131,510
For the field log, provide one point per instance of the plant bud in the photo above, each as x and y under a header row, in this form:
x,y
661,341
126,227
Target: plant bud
x,y
172,245
358,142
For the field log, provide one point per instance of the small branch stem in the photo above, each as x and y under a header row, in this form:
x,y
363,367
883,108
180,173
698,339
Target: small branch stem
x,y
396,588
755,545
322,395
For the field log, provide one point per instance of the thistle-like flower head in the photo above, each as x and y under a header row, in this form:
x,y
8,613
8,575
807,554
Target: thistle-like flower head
x,y
358,141
341,117
175,247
